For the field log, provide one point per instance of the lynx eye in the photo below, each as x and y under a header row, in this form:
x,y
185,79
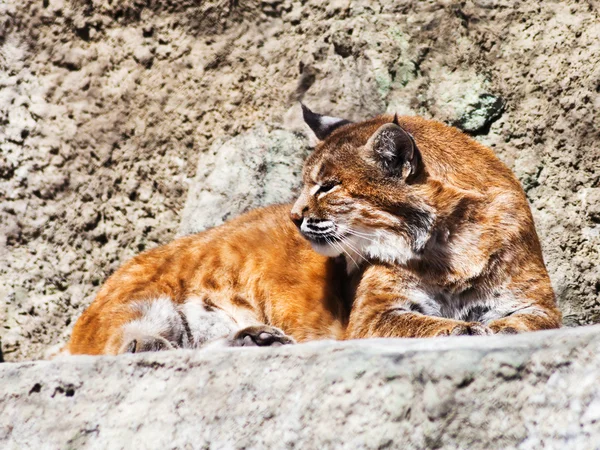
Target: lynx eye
x,y
326,187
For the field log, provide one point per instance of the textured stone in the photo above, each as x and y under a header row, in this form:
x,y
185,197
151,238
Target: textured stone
x,y
531,391
480,115
254,169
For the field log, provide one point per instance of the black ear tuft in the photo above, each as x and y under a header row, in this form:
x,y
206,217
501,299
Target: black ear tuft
x,y
322,126
395,150
395,121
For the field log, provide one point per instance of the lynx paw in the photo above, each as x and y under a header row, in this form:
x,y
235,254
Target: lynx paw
x,y
504,330
147,344
467,329
260,336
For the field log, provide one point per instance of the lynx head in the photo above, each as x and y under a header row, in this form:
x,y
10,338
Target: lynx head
x,y
363,191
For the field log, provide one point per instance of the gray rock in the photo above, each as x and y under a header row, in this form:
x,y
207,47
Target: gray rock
x,y
530,391
479,116
73,59
591,203
462,99
144,56
254,169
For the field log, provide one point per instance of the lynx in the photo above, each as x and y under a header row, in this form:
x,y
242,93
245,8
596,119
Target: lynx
x,y
405,227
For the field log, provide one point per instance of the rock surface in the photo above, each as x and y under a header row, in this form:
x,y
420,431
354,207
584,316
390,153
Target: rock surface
x,y
108,107
256,168
532,391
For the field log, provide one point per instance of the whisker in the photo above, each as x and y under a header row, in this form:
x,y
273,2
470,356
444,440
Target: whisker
x,y
359,233
347,253
340,247
355,250
362,236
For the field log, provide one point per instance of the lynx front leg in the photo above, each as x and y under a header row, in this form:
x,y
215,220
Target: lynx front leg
x,y
531,308
398,322
387,304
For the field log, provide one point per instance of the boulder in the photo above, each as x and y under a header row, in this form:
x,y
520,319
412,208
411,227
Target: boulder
x,y
530,391
256,168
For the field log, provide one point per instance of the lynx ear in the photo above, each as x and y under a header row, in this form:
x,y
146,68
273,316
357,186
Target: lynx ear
x,y
322,126
395,150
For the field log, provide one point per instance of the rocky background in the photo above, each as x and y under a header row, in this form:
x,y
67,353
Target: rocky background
x,y
108,109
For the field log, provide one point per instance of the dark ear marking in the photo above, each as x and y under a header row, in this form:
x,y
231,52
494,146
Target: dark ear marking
x,y
395,150
322,126
395,121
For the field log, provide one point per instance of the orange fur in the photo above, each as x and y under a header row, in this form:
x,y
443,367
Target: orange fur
x,y
256,268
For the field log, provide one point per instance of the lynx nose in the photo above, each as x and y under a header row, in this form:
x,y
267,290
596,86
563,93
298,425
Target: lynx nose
x,y
296,218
